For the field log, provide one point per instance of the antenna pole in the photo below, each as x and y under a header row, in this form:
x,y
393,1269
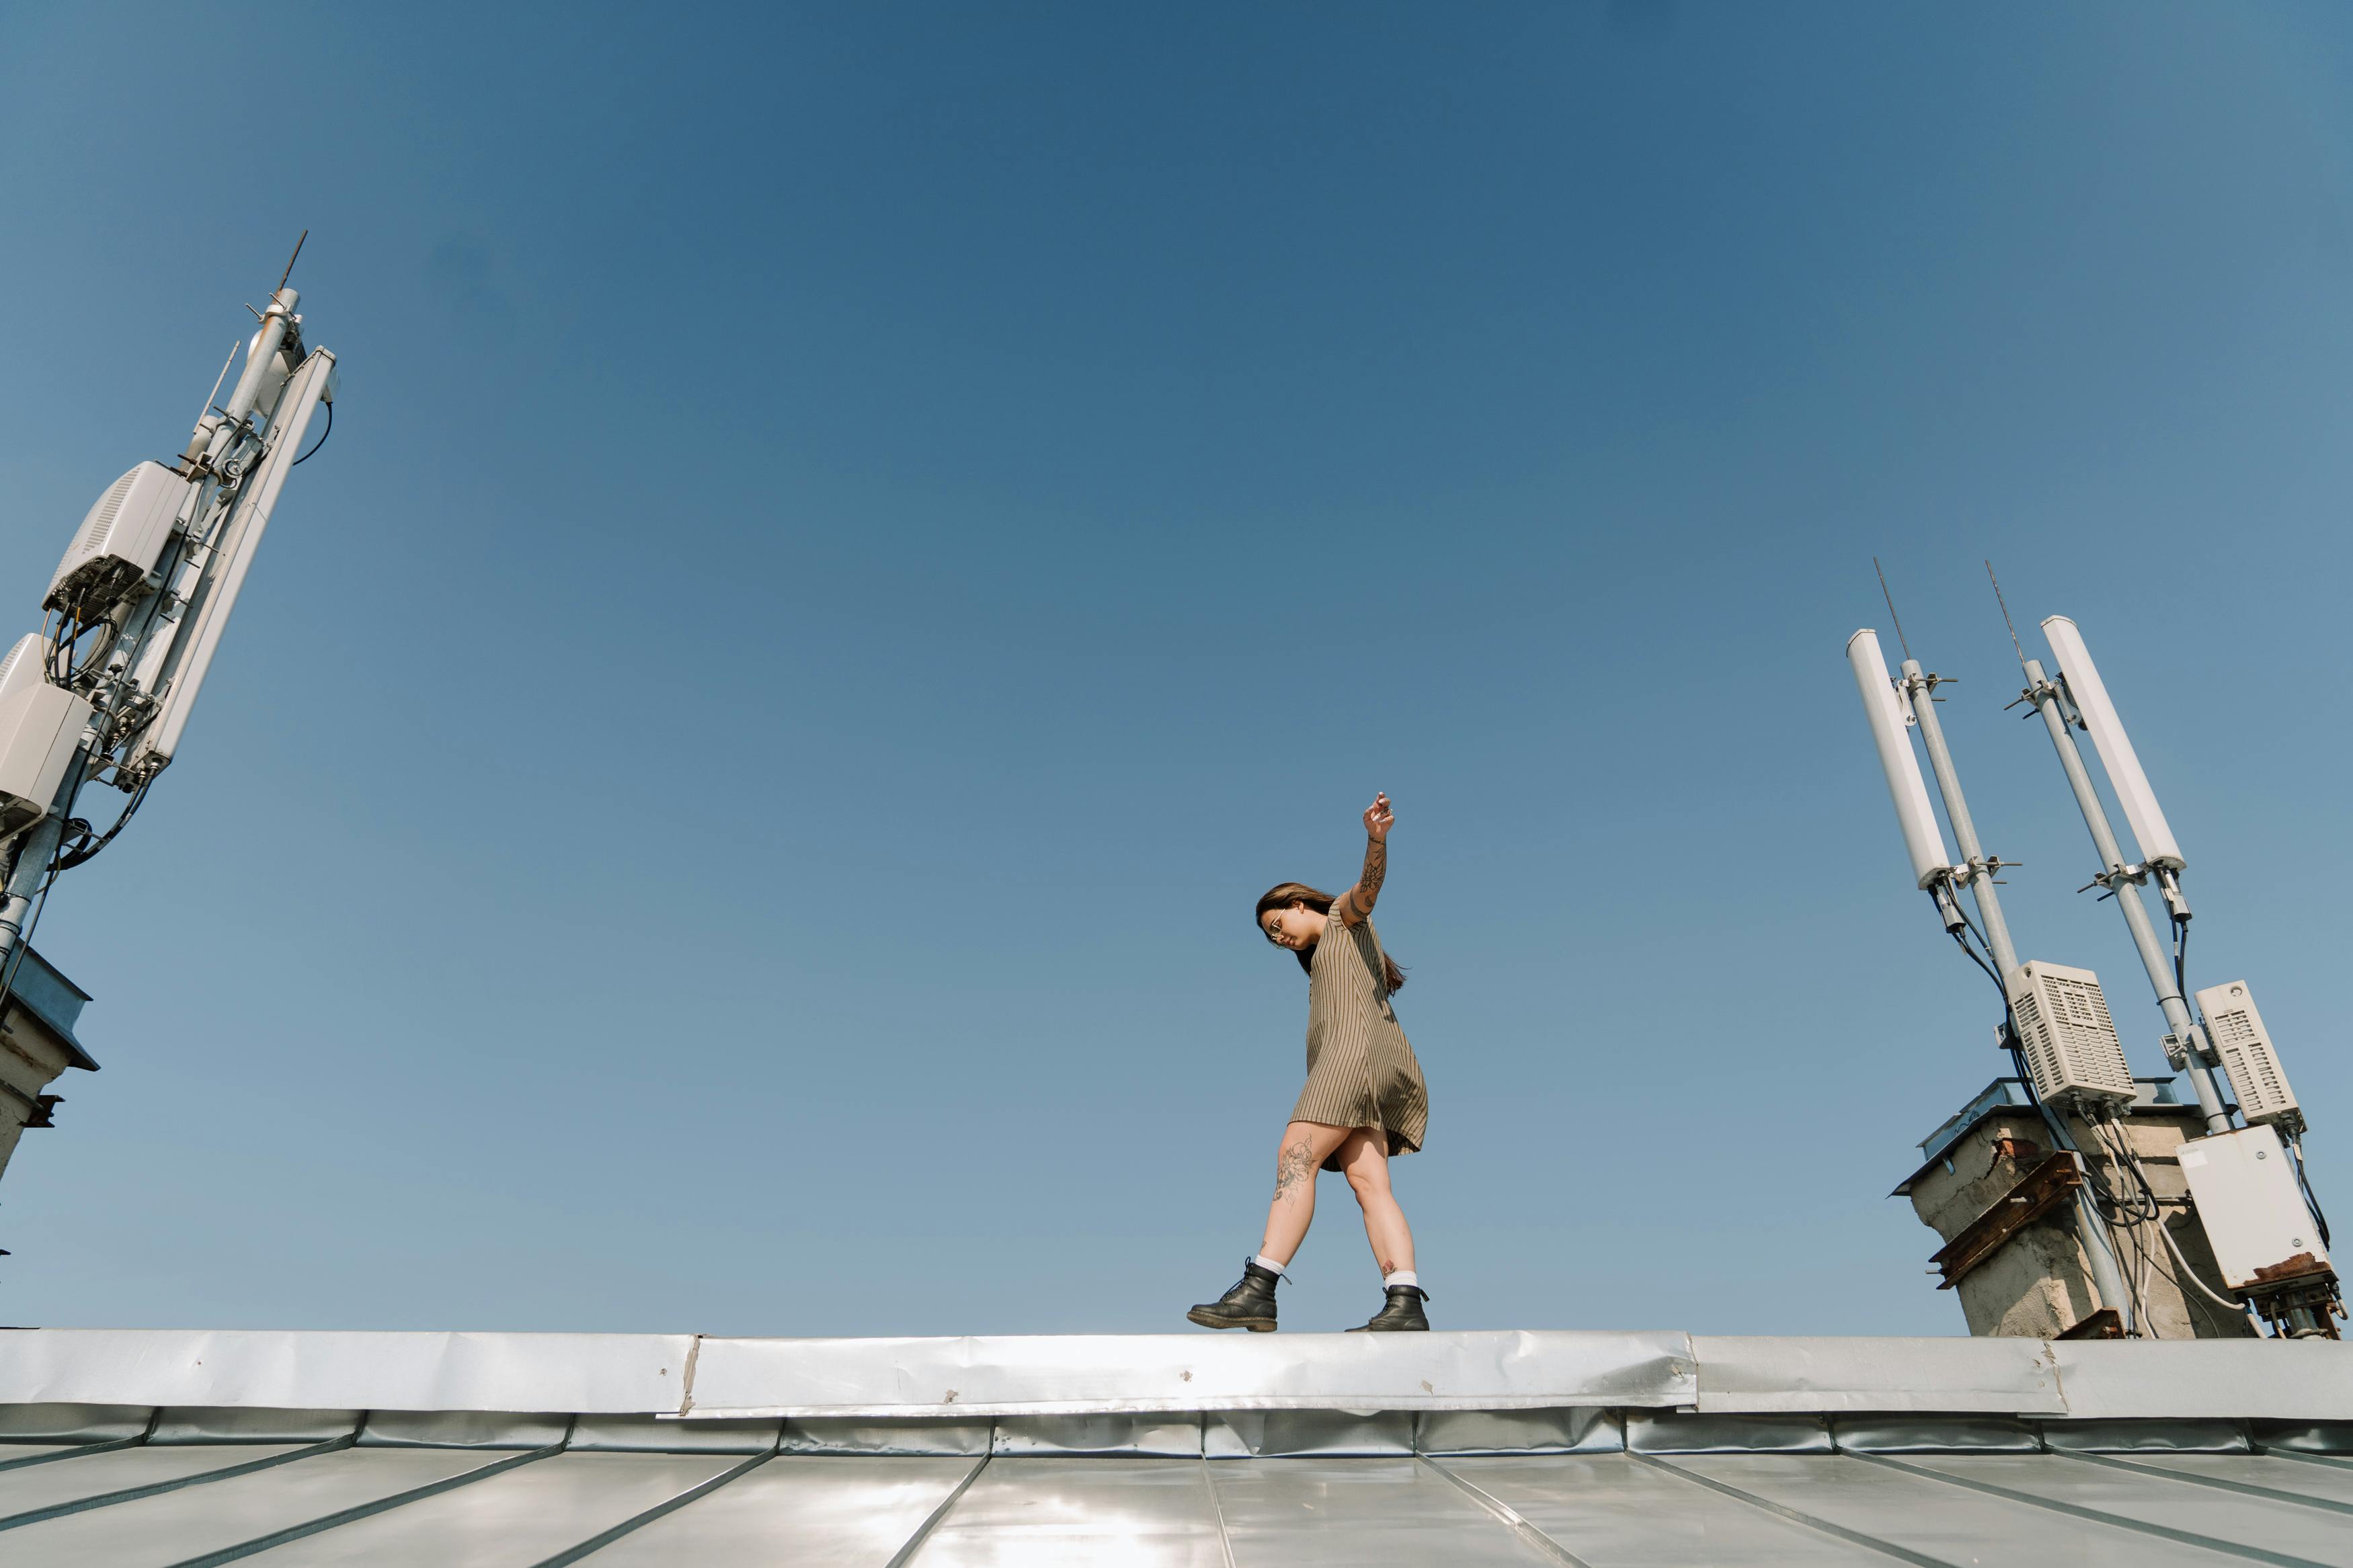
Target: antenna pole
x,y
1919,688
136,689
289,261
2122,881
1919,692
2005,615
1901,640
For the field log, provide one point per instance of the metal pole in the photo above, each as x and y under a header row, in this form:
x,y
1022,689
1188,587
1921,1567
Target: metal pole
x,y
32,854
261,352
1917,689
2124,882
2107,1275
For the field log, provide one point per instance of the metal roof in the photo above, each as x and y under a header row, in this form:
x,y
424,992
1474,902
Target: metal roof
x,y
200,1448
40,988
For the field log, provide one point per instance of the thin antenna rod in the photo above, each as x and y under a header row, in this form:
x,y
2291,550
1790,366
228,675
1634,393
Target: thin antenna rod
x,y
289,260
1902,641
214,392
2005,613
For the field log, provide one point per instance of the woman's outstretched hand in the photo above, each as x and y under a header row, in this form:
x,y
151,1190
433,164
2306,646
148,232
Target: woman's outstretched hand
x,y
1377,818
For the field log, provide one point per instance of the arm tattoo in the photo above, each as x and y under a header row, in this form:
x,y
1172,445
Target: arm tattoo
x,y
1294,1170
1360,898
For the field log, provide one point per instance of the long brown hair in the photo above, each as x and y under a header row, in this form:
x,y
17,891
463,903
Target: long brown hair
x,y
1283,895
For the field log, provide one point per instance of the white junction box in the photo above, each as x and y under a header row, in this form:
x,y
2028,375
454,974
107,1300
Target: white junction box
x,y
2245,1045
2072,1049
2255,1219
119,542
40,725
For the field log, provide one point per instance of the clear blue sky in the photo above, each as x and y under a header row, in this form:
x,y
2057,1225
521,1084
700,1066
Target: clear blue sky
x,y
859,540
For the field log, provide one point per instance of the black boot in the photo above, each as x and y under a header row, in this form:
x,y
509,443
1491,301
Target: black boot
x,y
1403,1311
1249,1305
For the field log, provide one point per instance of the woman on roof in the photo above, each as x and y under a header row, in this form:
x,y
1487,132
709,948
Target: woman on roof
x,y
1365,1100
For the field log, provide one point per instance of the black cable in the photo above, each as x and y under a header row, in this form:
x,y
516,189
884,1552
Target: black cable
x,y
2017,1050
2050,1117
87,850
2150,1208
2181,958
61,650
2295,1148
319,442
62,653
2008,1020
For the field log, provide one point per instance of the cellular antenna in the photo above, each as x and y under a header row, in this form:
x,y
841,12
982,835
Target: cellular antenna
x,y
152,578
1937,874
1902,641
289,260
2005,613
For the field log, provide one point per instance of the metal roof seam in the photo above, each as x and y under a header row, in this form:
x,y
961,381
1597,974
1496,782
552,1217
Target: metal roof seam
x,y
2221,1483
636,1521
156,1489
363,1510
686,1377
2331,1460
75,1452
1217,1505
2097,1516
906,1554
1511,1516
1836,1531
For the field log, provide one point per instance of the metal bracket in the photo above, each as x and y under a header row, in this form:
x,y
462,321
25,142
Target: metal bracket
x,y
2177,903
1985,868
2036,691
2137,875
2034,1194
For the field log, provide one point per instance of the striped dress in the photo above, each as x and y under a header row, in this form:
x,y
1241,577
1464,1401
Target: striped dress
x,y
1361,1071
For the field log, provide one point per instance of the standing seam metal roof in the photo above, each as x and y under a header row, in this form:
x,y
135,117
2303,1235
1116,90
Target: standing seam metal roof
x,y
1602,1449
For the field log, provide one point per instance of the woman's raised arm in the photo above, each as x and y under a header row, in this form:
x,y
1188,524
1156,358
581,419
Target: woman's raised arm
x,y
1356,903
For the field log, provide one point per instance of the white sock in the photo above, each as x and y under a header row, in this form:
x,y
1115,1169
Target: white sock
x,y
1402,1277
1263,1261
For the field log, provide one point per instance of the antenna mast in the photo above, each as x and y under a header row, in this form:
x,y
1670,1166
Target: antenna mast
x,y
1925,843
102,694
2079,684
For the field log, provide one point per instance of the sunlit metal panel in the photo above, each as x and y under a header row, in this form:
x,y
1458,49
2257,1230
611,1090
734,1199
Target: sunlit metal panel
x,y
177,1525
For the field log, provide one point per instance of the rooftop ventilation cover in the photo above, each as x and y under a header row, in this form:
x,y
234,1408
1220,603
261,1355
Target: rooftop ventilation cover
x,y
118,542
2072,1049
2237,1033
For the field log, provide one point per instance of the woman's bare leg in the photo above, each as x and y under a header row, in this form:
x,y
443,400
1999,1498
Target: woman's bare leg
x,y
1305,1146
1365,1158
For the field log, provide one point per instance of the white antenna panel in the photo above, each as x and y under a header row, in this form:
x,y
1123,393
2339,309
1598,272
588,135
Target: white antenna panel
x,y
2237,1033
1922,839
40,726
2115,747
2072,1049
118,542
23,665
